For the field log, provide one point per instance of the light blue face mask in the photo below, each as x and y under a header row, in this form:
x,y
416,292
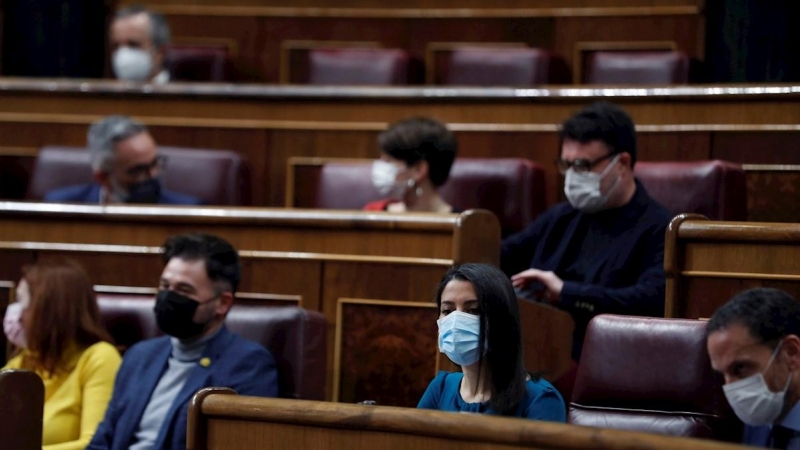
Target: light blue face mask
x,y
459,333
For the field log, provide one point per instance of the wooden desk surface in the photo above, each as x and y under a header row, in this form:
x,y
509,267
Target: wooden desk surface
x,y
330,261
221,419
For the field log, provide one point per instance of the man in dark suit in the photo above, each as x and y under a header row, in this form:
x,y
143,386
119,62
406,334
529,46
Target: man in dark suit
x,y
126,168
157,378
754,342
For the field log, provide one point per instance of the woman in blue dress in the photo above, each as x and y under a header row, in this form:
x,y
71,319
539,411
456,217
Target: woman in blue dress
x,y
477,305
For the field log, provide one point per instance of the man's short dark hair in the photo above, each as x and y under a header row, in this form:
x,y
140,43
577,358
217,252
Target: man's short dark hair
x,y
159,28
768,314
421,138
606,122
222,260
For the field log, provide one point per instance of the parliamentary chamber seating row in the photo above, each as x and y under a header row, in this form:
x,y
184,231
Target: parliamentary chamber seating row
x,y
445,64
506,43
514,189
701,263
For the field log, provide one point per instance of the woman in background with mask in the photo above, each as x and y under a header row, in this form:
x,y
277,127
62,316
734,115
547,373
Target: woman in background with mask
x,y
55,326
417,154
477,304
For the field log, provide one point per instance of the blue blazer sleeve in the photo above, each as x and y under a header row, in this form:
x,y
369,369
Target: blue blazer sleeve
x,y
256,374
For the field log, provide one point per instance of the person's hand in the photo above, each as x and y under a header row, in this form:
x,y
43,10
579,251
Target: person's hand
x,y
552,283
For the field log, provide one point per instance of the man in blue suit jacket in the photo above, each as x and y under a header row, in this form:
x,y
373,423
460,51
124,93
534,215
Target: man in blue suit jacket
x,y
126,166
157,378
754,341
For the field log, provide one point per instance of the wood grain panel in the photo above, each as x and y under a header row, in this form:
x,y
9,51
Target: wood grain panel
x,y
773,193
384,351
753,125
220,419
425,4
707,262
258,28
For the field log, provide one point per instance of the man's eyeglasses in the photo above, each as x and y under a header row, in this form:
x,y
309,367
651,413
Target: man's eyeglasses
x,y
581,165
142,170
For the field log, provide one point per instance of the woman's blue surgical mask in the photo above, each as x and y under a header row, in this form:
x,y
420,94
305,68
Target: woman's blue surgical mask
x,y
459,333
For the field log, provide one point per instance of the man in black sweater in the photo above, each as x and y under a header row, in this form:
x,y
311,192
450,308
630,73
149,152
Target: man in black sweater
x,y
603,250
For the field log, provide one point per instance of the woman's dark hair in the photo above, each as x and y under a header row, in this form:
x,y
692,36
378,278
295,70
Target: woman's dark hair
x,y
421,139
606,122
500,329
63,313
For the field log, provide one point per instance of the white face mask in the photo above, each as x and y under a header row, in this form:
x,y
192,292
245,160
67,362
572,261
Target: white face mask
x,y
384,178
132,64
751,399
583,189
459,333
12,325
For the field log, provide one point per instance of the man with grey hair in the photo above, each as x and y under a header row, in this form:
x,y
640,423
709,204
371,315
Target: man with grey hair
x,y
126,167
138,42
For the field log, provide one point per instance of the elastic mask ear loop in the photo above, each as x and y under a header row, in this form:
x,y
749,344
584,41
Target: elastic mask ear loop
x,y
771,360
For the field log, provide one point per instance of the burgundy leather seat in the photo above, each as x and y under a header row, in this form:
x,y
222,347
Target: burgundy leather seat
x,y
512,188
296,337
499,66
217,177
637,67
716,189
197,63
652,375
359,66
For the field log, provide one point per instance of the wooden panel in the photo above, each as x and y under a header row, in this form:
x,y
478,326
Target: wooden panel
x,y
316,256
294,59
437,55
384,351
421,4
546,339
773,193
583,50
708,261
267,125
257,28
21,404
220,419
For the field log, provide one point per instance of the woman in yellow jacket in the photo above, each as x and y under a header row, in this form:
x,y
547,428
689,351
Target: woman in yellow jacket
x,y
55,324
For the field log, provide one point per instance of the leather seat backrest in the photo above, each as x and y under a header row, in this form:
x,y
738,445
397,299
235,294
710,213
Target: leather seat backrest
x,y
295,336
637,67
503,66
715,189
216,177
359,66
512,188
653,375
197,63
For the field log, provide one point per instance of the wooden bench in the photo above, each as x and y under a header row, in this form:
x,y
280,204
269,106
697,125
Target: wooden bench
x,y
219,419
21,409
269,124
310,258
707,262
562,25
